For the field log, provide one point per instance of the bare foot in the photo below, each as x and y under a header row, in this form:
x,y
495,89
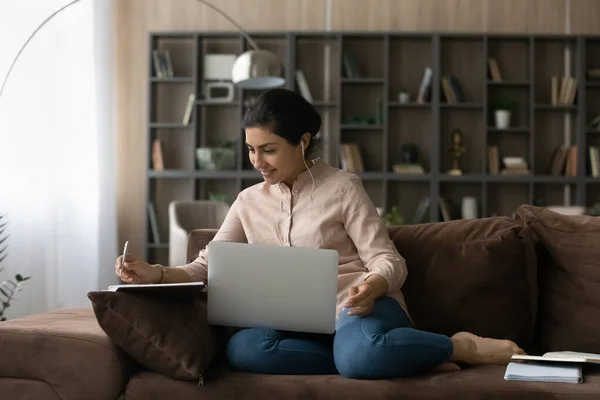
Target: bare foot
x,y
473,349
446,367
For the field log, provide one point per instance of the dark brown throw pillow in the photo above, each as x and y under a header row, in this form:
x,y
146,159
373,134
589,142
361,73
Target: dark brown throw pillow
x,y
169,335
569,281
470,275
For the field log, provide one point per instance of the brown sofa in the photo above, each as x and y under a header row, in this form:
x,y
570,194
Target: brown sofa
x,y
534,279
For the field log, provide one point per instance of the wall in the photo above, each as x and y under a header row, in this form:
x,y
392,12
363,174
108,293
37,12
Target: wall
x,y
135,18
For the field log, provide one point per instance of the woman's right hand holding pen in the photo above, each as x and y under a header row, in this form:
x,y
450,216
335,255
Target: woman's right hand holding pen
x,y
137,271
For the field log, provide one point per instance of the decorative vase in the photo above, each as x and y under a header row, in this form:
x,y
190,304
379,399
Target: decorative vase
x,y
403,97
215,158
469,208
502,119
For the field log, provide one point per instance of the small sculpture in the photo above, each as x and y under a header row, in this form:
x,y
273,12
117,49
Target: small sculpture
x,y
457,150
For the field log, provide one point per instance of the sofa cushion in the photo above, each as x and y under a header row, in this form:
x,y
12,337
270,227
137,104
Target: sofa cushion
x,y
484,382
60,354
569,284
474,275
169,335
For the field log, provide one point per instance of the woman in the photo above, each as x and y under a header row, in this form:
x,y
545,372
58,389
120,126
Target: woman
x,y
307,203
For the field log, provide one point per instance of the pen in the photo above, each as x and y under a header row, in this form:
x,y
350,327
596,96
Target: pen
x,y
124,255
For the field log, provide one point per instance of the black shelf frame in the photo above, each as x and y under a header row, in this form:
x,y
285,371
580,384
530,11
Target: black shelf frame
x,y
383,179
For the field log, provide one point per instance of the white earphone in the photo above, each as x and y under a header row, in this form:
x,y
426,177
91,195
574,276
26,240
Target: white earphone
x,y
302,145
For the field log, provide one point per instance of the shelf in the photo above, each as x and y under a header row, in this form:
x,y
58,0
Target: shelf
x,y
560,107
509,83
515,129
592,84
359,127
391,176
480,178
467,178
558,179
592,180
169,125
177,79
462,105
509,178
395,104
322,103
363,81
376,176
217,103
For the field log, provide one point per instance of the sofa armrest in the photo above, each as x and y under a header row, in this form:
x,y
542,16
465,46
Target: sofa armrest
x,y
68,351
197,240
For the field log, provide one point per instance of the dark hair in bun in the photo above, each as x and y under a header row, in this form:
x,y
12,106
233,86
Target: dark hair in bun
x,y
286,114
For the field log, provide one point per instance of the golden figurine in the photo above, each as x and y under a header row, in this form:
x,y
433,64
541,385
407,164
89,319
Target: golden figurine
x,y
457,150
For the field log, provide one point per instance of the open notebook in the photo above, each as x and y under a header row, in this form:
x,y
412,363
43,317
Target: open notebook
x,y
166,289
561,357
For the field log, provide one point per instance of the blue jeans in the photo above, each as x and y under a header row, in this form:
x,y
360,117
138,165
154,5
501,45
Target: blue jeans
x,y
378,346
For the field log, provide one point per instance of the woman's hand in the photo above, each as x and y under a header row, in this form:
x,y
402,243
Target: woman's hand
x,y
362,297
136,271
361,301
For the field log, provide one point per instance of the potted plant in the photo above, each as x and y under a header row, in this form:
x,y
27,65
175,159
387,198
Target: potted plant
x,y
503,108
218,158
393,218
8,287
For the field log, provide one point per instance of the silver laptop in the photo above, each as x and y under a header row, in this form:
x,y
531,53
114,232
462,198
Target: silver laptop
x,y
270,286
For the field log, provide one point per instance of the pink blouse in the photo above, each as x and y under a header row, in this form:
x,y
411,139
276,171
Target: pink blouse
x,y
340,216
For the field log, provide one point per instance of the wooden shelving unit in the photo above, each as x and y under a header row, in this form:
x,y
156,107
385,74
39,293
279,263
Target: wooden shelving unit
x,y
388,63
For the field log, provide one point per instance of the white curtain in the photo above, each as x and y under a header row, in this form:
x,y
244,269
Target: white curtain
x,y
57,167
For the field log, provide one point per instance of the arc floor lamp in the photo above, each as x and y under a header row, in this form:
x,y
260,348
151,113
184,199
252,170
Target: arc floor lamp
x,y
254,69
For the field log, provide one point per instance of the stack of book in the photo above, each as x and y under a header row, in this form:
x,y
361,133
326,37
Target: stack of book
x,y
514,166
563,366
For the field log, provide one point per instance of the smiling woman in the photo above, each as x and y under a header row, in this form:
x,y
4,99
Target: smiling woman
x,y
280,129
56,146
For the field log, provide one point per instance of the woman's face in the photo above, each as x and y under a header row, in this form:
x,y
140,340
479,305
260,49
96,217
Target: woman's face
x,y
273,156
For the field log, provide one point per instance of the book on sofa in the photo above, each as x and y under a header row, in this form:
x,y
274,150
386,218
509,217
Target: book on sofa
x,y
561,357
542,372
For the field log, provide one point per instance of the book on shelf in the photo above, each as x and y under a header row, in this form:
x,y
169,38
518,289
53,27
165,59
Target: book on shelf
x,y
452,90
514,166
163,65
350,67
402,169
157,156
425,87
563,90
303,86
593,74
494,70
564,161
350,158
187,115
493,160
423,207
153,223
595,161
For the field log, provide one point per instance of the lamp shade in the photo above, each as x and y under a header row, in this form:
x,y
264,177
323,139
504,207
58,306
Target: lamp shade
x,y
257,69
